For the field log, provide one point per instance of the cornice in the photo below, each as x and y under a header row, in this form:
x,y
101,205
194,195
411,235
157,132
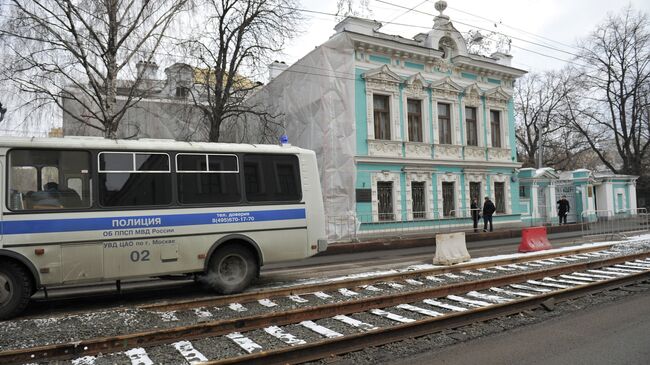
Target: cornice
x,y
429,162
470,64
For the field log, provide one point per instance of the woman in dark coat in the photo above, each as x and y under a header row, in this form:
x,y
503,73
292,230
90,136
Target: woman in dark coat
x,y
563,209
476,213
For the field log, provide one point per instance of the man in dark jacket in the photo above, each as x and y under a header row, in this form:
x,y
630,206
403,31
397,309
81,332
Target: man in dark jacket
x,y
563,208
476,213
488,210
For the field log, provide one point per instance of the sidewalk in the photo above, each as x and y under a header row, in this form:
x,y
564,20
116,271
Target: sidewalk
x,y
502,236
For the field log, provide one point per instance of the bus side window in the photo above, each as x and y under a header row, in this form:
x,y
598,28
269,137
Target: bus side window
x,y
272,178
37,179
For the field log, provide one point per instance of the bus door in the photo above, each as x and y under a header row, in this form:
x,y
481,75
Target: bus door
x,y
2,193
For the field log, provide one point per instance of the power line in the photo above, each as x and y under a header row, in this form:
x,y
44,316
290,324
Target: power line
x,y
487,30
392,23
511,27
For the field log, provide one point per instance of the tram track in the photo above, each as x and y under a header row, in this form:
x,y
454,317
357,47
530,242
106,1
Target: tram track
x,y
153,298
515,291
257,295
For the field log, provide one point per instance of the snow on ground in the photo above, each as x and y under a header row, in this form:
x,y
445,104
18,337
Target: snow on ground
x,y
631,244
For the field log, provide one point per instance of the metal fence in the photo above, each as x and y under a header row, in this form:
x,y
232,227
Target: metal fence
x,y
362,226
614,223
367,226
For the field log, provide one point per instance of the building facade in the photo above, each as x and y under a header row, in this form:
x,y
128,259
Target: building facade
x,y
408,131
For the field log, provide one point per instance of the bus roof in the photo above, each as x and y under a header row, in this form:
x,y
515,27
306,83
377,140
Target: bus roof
x,y
146,144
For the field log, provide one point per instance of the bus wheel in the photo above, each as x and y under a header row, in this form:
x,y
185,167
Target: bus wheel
x,y
15,289
231,270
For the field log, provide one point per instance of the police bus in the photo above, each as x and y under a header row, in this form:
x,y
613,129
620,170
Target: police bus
x,y
88,209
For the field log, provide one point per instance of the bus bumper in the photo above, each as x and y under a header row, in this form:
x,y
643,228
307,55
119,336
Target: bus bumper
x,y
322,245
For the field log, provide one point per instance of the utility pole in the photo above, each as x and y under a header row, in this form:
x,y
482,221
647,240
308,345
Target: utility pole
x,y
2,112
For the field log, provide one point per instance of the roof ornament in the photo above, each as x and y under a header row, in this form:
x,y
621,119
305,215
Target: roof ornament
x,y
441,5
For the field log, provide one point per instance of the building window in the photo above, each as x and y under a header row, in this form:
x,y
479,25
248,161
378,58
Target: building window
x,y
385,200
471,125
495,127
523,192
382,116
475,191
448,197
499,197
415,120
418,197
444,123
182,91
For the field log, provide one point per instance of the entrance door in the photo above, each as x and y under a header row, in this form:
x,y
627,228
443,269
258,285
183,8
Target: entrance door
x,y
1,202
569,190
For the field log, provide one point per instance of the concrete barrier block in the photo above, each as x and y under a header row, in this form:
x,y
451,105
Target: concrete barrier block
x,y
451,249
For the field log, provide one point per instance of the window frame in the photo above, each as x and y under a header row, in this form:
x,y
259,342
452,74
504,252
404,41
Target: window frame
x,y
173,200
207,163
242,182
387,111
447,120
134,153
474,121
420,214
453,198
503,200
387,216
417,115
93,204
497,124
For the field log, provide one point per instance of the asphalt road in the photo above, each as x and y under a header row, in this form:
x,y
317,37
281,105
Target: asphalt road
x,y
612,333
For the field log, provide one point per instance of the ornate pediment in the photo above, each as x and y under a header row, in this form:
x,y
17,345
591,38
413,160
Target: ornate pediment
x,y
416,85
497,96
446,87
382,74
416,80
472,95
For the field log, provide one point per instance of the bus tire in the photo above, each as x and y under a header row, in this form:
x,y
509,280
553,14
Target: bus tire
x,y
232,268
15,289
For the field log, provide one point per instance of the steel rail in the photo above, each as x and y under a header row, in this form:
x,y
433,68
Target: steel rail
x,y
325,348
310,288
221,327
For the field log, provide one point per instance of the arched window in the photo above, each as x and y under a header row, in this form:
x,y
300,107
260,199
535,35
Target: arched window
x,y
448,47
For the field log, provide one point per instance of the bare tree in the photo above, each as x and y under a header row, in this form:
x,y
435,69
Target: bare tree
x,y
541,120
359,8
615,105
65,50
235,44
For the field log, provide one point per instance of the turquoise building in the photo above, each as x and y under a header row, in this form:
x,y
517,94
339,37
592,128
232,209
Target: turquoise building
x,y
407,131
589,193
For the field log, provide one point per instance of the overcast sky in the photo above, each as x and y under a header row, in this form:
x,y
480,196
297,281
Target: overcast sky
x,y
555,23
563,21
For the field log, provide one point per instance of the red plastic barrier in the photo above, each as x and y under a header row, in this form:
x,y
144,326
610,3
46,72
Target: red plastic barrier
x,y
534,239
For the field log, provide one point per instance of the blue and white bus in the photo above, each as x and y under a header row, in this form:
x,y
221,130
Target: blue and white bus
x,y
86,209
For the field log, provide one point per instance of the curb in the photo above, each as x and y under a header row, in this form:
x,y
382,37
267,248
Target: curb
x,y
396,243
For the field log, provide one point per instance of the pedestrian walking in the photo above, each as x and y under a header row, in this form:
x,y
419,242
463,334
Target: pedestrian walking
x,y
476,213
563,208
488,210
